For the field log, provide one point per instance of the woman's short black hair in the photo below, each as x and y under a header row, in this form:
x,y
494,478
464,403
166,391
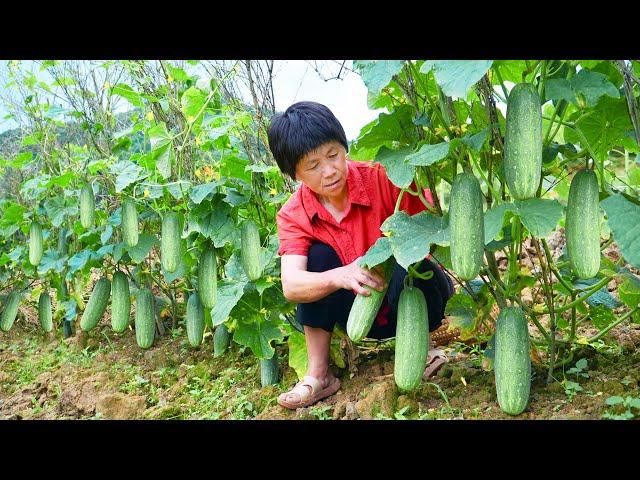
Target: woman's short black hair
x,y
302,128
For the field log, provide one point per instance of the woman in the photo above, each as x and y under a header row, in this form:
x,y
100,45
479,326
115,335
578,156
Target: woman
x,y
326,226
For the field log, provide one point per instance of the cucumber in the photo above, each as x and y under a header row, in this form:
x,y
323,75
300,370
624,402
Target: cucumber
x,y
208,278
512,361
582,227
120,302
195,320
466,221
87,206
365,308
250,252
523,142
145,318
129,223
170,242
44,312
10,311
412,339
35,243
63,247
97,304
269,374
220,340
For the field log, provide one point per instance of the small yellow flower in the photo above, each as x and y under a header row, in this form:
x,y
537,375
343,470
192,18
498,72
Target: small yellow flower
x,y
198,141
170,79
191,118
150,116
582,341
273,191
146,192
263,311
106,86
198,173
269,279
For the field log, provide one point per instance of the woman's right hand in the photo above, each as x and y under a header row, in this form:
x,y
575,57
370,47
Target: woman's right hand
x,y
354,277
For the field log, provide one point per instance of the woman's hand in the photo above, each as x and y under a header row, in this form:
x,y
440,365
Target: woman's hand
x,y
354,277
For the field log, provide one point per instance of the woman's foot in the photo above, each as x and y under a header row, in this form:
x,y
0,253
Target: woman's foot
x,y
309,391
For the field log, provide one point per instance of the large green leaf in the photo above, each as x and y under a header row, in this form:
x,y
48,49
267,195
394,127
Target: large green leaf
x,y
398,171
560,89
51,260
228,295
601,316
411,236
21,160
429,154
58,208
376,74
200,192
63,180
80,259
456,77
297,353
218,225
163,157
378,253
126,173
629,291
125,91
510,70
539,216
192,103
603,128
257,334
461,312
145,243
396,126
11,219
593,85
624,221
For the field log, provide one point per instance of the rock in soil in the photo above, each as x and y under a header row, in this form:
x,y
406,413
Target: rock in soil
x,y
380,399
118,406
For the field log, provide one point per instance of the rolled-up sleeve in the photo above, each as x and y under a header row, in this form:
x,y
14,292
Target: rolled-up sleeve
x,y
293,239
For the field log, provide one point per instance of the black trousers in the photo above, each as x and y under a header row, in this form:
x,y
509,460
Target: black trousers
x,y
334,308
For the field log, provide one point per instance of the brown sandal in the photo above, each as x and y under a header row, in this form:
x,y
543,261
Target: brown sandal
x,y
309,391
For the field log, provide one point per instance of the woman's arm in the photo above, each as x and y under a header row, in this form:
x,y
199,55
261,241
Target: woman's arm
x,y
301,286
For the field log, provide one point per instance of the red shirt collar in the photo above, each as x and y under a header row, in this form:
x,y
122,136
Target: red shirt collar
x,y
356,191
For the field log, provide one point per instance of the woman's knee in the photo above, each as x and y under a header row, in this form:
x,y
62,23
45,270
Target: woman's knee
x,y
322,257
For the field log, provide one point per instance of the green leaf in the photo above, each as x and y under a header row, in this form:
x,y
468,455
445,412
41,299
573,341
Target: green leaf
x,y
297,353
476,141
51,260
396,126
178,189
443,256
192,104
228,295
159,136
629,289
62,180
456,77
11,219
258,335
510,70
218,226
200,192
539,216
411,236
58,208
163,157
378,253
603,128
461,312
235,198
560,89
429,154
80,259
601,316
126,173
125,91
21,160
615,400
397,170
603,298
624,221
376,74
145,243
593,85
106,234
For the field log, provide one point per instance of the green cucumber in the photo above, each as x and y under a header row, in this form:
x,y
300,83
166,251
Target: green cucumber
x,y
10,311
512,361
120,302
129,222
269,374
170,242
220,340
35,243
87,206
44,312
145,318
412,339
523,142
582,228
365,308
250,252
195,320
208,278
96,305
466,221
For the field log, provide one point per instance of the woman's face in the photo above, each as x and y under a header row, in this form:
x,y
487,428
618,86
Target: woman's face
x,y
324,170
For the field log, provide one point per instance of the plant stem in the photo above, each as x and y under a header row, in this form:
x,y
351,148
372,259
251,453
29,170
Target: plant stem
x,y
580,299
546,277
604,331
554,269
